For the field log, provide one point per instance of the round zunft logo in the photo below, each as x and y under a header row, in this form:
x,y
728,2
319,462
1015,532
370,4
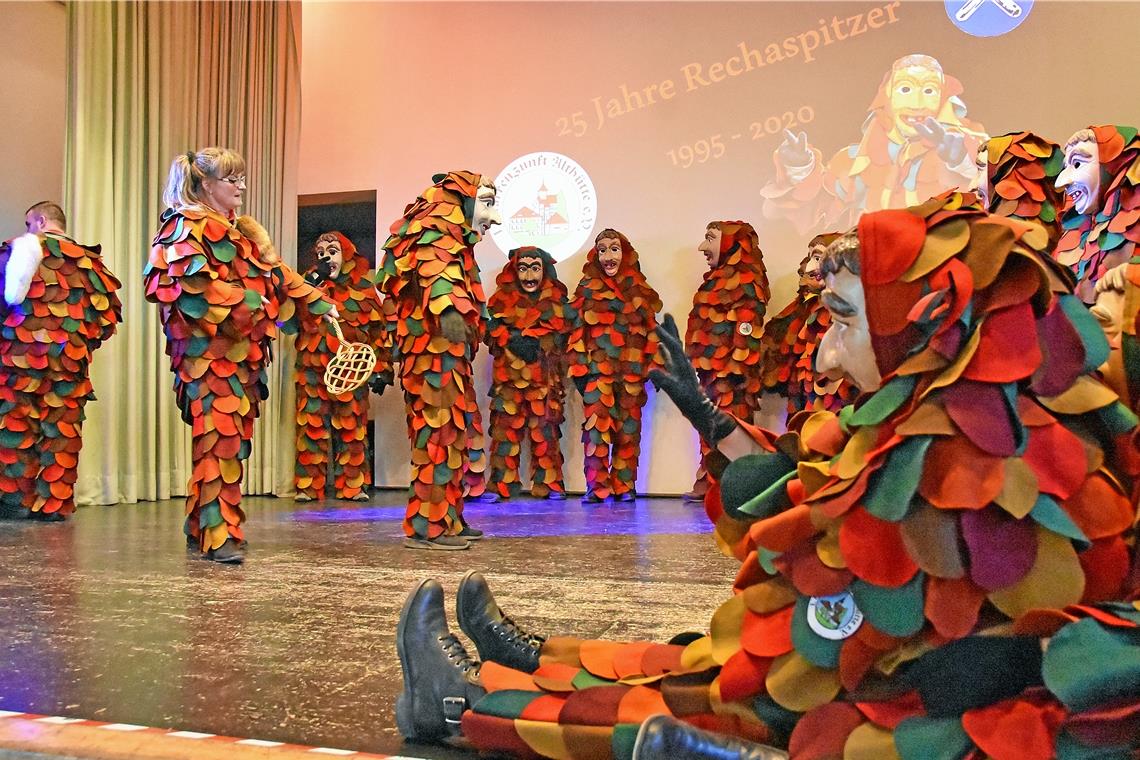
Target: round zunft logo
x,y
547,200
834,617
988,18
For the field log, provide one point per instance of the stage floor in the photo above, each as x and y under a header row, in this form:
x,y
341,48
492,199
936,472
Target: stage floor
x,y
106,618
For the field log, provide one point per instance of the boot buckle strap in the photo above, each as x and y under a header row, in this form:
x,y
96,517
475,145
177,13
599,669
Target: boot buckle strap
x,y
453,709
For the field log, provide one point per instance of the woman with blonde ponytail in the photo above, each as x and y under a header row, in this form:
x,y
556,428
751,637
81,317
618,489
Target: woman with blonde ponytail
x,y
222,293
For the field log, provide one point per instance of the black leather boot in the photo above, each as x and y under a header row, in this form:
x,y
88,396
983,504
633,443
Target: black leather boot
x,y
440,680
496,636
663,737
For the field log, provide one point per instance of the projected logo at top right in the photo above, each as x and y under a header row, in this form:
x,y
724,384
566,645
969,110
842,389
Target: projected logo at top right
x,y
547,200
988,18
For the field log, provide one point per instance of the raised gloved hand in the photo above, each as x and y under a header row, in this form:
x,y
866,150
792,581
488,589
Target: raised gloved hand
x,y
950,145
524,347
452,326
679,382
320,274
380,381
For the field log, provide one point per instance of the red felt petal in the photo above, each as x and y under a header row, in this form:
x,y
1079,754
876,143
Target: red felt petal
x,y
891,241
821,733
1007,348
1058,459
959,475
952,605
981,412
743,676
1017,729
874,549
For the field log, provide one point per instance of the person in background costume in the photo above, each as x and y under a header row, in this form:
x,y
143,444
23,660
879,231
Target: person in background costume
x,y
916,142
222,293
530,322
792,337
934,573
435,311
1017,174
612,349
726,326
1100,176
60,304
336,427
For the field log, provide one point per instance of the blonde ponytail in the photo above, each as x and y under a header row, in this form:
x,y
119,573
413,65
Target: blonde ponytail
x,y
187,170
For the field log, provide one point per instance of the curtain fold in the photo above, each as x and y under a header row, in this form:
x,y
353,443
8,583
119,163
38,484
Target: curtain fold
x,y
147,81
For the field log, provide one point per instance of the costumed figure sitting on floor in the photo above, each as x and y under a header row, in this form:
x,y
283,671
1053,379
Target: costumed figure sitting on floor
x,y
791,339
222,293
435,311
530,322
1100,176
931,573
726,325
612,348
1017,176
60,304
335,428
916,142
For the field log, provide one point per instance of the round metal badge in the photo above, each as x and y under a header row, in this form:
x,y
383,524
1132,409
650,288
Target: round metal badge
x,y
834,617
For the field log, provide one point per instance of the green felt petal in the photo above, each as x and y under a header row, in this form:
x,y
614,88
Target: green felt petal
x,y
932,739
884,401
1087,664
893,487
894,611
1047,512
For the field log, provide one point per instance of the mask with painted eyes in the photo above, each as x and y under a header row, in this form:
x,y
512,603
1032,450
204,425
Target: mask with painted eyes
x,y
329,251
1080,174
529,271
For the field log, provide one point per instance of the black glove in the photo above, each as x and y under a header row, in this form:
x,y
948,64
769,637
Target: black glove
x,y
580,384
524,347
320,274
380,381
452,326
679,382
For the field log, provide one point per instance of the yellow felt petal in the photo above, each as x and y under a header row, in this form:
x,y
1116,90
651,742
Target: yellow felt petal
x,y
769,596
870,742
854,457
798,685
725,628
942,243
1056,579
927,419
544,737
827,548
996,146
698,654
1082,396
1019,491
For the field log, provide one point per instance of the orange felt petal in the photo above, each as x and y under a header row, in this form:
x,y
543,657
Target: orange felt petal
x,y
768,635
783,531
958,475
952,605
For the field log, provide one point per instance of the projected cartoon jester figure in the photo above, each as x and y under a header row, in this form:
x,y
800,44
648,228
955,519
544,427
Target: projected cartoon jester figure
x,y
612,349
723,338
916,142
791,341
435,310
530,323
335,428
1100,230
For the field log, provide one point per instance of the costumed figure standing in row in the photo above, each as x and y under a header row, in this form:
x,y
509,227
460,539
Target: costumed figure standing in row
x,y
1017,176
60,304
335,428
222,292
435,311
1100,176
612,348
916,142
931,573
791,340
530,323
726,325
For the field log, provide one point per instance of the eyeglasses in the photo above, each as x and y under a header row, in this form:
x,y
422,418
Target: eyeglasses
x,y
235,181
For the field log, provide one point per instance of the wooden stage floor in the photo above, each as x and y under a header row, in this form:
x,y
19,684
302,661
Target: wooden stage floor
x,y
106,618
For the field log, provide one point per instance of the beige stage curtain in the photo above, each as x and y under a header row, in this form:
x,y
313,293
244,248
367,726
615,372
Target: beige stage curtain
x,y
148,80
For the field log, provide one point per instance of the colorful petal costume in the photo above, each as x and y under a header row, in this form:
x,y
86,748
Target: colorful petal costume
x,y
886,168
791,339
726,324
47,339
1021,170
336,427
1093,243
429,267
613,347
527,398
904,563
221,297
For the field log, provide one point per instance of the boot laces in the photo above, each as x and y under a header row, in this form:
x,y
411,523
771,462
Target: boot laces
x,y
509,630
457,654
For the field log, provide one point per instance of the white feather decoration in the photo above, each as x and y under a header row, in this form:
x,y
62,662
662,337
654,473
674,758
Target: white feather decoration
x,y
23,263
